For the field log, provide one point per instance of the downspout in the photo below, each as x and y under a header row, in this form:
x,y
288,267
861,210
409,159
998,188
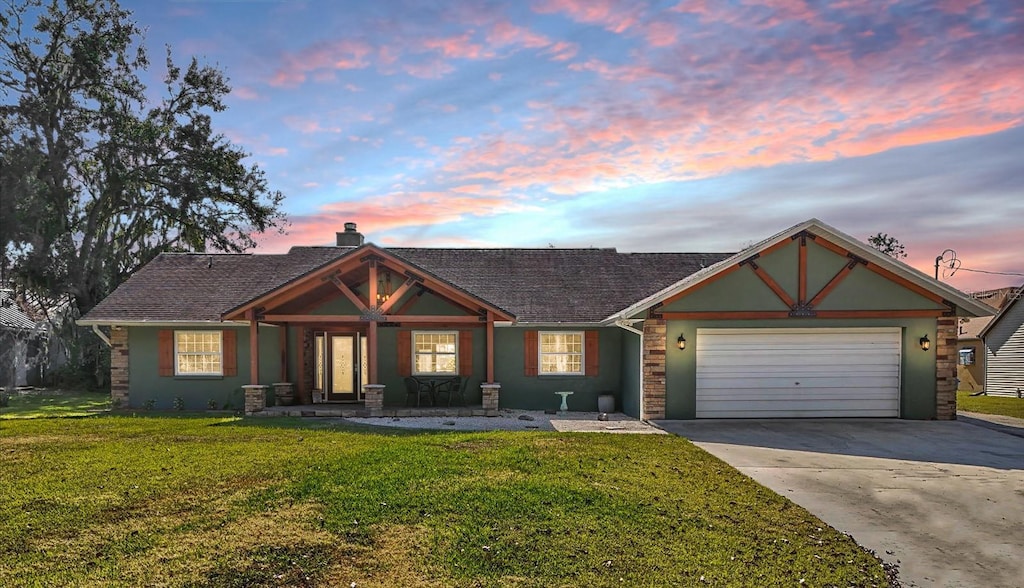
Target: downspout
x,y
627,325
101,335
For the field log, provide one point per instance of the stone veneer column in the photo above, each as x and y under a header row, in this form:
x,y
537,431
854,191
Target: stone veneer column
x,y
945,368
119,367
654,370
255,398
490,392
373,397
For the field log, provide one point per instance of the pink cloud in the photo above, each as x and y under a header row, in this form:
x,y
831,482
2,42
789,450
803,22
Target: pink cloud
x,y
245,93
334,55
614,15
505,33
459,47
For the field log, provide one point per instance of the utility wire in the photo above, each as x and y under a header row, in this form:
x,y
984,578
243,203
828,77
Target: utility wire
x,y
967,269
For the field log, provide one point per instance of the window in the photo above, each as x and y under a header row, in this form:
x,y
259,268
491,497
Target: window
x,y
561,353
967,356
198,353
435,352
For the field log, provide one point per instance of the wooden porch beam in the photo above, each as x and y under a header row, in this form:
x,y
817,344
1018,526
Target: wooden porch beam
x,y
352,296
490,347
294,290
371,349
397,295
283,346
314,318
853,314
254,348
431,318
726,315
802,271
831,285
372,284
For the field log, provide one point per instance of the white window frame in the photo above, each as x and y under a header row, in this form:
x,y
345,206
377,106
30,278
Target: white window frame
x,y
540,353
415,365
177,372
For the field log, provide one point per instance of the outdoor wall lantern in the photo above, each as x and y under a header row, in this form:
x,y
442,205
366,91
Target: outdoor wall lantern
x,y
681,341
925,343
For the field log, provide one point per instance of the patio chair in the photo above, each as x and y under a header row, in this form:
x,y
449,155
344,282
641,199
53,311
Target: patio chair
x,y
417,389
452,387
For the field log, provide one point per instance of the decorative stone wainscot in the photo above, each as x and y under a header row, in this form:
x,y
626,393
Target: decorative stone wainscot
x,y
945,368
373,399
654,370
490,393
255,398
119,367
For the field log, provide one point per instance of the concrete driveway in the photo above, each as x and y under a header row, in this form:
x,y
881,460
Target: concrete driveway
x,y
944,499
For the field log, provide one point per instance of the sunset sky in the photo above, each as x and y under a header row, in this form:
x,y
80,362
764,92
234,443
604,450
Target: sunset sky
x,y
671,126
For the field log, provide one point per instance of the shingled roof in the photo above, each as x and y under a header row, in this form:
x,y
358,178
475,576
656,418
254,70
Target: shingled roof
x,y
535,285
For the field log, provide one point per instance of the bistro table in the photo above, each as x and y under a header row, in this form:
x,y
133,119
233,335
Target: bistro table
x,y
434,383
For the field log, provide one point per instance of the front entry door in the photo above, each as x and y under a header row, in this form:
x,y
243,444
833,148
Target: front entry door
x,y
343,360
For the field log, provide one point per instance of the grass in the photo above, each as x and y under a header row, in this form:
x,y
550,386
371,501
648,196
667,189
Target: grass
x,y
1004,405
48,403
196,501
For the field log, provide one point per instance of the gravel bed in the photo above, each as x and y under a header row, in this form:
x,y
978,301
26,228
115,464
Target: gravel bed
x,y
520,420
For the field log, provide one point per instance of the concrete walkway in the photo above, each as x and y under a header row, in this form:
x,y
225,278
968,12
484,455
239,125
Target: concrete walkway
x,y
943,499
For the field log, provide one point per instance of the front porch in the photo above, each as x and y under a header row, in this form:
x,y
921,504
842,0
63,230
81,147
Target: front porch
x,y
358,410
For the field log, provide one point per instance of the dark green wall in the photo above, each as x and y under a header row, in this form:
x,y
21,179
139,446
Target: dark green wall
x,y
630,367
145,383
917,394
538,392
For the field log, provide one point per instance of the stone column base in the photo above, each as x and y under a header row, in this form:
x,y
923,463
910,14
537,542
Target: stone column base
x,y
284,393
255,398
373,398
490,392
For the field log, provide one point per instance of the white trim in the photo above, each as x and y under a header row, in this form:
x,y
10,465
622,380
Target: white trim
x,y
220,335
583,353
820,229
455,372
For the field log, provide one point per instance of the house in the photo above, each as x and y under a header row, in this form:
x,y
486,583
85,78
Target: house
x,y
1004,350
970,365
809,322
21,342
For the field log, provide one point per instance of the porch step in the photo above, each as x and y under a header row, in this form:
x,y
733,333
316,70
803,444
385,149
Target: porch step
x,y
319,410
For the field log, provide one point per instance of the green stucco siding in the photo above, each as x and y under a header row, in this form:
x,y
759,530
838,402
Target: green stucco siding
x,y
917,386
783,266
630,366
822,266
863,289
146,384
387,365
738,290
538,392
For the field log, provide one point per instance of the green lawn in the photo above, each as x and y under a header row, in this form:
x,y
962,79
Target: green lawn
x,y
198,501
48,403
1006,406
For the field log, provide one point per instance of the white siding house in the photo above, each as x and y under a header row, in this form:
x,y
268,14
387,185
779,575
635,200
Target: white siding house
x,y
1004,351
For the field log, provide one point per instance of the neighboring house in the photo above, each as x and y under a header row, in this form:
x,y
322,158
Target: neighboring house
x,y
22,341
970,368
809,322
1004,350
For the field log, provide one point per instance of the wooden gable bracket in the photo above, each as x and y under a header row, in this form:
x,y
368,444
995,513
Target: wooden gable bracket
x,y
410,281
335,279
653,311
769,281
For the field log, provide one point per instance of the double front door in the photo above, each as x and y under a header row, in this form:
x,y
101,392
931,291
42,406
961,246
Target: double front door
x,y
341,365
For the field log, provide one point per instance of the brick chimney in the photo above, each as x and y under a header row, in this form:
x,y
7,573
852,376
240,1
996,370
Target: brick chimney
x,y
351,237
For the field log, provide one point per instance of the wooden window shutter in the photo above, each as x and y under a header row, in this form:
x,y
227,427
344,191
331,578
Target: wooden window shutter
x,y
404,353
591,352
465,353
530,353
165,352
230,342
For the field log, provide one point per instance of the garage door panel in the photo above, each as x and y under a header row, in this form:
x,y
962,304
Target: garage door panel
x,y
743,373
740,383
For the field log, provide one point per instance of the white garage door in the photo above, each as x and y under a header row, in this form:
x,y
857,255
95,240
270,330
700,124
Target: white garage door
x,y
770,373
